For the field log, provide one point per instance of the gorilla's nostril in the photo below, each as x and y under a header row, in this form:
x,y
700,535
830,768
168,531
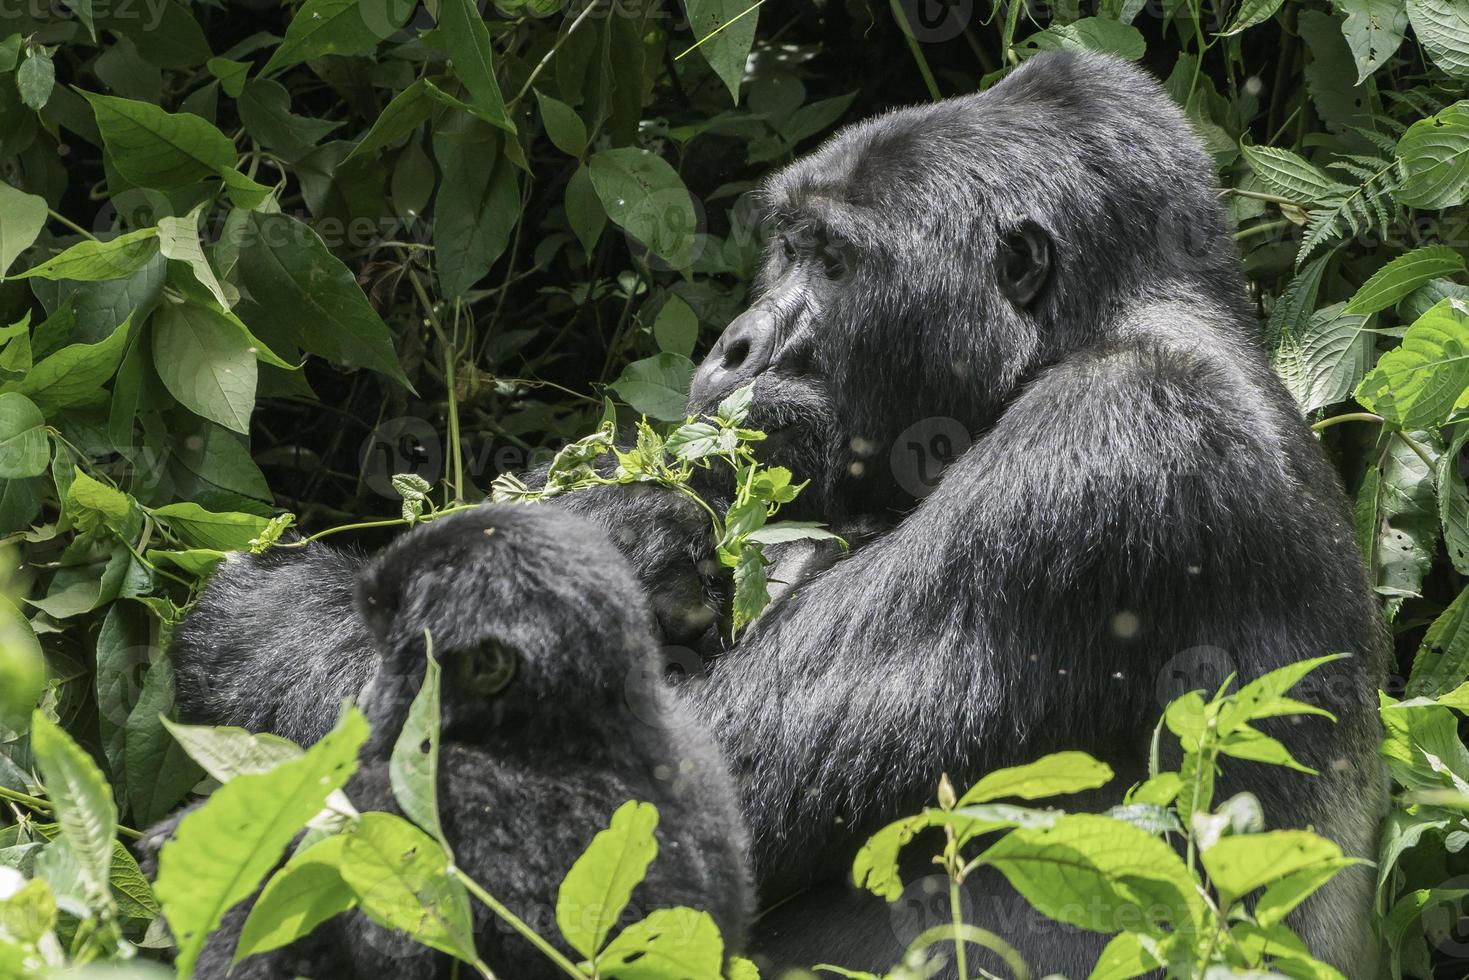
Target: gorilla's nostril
x,y
736,353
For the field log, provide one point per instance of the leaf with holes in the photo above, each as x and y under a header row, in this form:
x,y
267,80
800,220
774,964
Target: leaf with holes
x,y
1417,384
600,883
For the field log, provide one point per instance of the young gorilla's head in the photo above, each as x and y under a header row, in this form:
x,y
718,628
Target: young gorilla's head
x,y
535,621
924,264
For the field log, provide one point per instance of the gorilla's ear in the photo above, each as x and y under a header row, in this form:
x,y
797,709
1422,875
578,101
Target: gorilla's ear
x,y
1023,262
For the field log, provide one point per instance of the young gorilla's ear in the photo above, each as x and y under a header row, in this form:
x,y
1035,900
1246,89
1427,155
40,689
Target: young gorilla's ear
x,y
1023,262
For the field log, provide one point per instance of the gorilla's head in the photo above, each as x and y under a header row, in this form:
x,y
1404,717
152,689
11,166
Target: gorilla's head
x,y
922,265
535,621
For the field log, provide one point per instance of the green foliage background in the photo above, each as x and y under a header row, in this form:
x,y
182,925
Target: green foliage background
x,y
260,258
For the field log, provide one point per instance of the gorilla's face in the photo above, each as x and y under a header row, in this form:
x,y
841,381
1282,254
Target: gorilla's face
x,y
888,297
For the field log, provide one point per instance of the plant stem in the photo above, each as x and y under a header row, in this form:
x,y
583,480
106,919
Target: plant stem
x,y
45,808
365,525
63,220
957,911
516,923
535,72
450,382
917,51
1413,444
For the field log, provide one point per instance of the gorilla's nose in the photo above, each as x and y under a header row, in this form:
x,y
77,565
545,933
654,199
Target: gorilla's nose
x,y
742,352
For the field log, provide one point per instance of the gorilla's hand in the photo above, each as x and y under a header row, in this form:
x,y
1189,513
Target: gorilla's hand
x,y
668,541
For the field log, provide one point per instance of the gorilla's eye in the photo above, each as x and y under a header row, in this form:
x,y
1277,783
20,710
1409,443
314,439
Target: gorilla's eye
x,y
833,261
788,248
488,668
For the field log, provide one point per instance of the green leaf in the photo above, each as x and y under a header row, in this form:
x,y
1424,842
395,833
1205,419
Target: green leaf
x,y
1374,29
25,449
35,79
1094,872
782,532
657,386
205,362
676,328
1442,27
584,212
93,504
1288,175
476,209
297,283
413,768
1252,12
564,127
73,374
202,528
1323,362
752,588
231,74
225,752
1403,275
675,942
598,886
1239,865
463,31
80,798
1417,384
693,441
323,27
308,891
1453,503
1054,775
1285,894
178,239
22,667
221,851
726,51
22,216
157,772
405,113
265,110
401,879
645,197
158,149
1129,954
876,865
1087,34
1434,154
92,261
1442,660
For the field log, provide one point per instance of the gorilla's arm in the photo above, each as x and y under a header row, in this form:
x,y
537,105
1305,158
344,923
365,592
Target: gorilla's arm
x,y
276,642
1124,498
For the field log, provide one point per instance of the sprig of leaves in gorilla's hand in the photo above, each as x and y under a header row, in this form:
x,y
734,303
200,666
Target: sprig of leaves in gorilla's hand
x,y
670,460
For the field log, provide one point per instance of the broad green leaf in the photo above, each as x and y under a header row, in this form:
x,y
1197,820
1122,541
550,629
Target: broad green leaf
x,y
1453,502
1239,865
598,886
1288,175
1418,383
73,374
35,79
1265,696
1281,897
158,773
675,942
876,864
231,74
1434,153
413,769
1054,775
299,897
693,441
752,589
80,798
296,281
564,127
645,197
93,504
1442,27
404,114
676,328
323,27
1088,34
1374,29
781,532
265,110
476,209
226,752
742,969
22,667
1403,275
92,261
178,239
22,216
1251,12
205,362
154,148
727,50
463,31
1422,745
1094,872
1129,954
657,386
401,880
1442,660
25,449
221,851
1396,518
202,528
584,212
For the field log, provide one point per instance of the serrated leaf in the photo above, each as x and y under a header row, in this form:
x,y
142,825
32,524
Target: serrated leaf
x,y
1239,865
1054,775
81,800
782,532
600,883
1453,502
221,851
227,752
1252,12
1417,384
752,590
1434,153
1442,660
657,386
1403,275
1442,27
675,942
1288,174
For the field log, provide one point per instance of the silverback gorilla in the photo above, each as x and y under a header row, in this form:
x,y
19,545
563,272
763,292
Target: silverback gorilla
x,y
1045,267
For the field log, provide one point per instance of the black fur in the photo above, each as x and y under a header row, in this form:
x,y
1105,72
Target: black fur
x,y
1046,264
